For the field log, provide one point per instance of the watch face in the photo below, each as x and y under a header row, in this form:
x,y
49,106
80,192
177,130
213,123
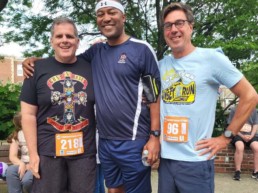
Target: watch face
x,y
156,133
228,133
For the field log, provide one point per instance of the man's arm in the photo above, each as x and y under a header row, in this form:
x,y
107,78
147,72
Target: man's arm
x,y
13,157
28,66
29,127
254,130
153,145
247,102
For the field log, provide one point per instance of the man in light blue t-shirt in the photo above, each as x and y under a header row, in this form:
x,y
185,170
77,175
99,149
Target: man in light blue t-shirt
x,y
190,79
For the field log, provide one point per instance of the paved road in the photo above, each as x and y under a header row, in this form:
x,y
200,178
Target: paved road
x,y
223,184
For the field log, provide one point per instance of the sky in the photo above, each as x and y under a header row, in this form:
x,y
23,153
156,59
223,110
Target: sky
x,y
13,49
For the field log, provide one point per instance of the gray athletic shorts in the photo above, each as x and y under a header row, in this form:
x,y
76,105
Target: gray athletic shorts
x,y
184,177
61,175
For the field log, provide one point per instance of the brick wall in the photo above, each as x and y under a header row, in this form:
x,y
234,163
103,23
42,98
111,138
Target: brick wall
x,y
9,71
4,152
224,161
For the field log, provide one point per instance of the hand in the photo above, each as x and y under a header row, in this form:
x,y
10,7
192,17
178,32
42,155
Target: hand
x,y
34,165
246,138
153,147
28,66
212,145
22,169
99,40
145,101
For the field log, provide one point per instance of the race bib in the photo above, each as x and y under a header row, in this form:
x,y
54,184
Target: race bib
x,y
175,129
246,128
68,144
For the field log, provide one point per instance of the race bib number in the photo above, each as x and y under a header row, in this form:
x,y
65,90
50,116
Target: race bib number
x,y
68,144
175,129
246,128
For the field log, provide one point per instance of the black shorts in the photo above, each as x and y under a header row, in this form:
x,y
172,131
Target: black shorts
x,y
62,175
238,138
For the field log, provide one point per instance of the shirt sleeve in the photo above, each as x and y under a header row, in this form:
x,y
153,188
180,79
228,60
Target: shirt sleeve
x,y
224,71
28,91
151,65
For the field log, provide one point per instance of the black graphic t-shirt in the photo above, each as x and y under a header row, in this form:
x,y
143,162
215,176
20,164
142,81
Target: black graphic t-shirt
x,y
65,99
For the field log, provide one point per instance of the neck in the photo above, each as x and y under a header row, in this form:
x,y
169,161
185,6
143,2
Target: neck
x,y
182,53
119,40
67,60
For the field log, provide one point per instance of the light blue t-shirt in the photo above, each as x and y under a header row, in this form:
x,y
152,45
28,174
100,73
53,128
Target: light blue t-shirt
x,y
189,88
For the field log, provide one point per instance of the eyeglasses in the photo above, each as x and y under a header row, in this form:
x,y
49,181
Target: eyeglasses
x,y
178,24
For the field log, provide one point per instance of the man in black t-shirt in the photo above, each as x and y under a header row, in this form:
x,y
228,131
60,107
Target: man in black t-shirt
x,y
57,106
246,137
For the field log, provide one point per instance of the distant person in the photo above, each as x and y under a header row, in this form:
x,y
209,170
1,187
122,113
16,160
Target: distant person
x,y
245,137
190,78
19,178
58,119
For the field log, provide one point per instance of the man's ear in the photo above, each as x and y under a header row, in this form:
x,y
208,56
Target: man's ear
x,y
124,18
78,43
51,42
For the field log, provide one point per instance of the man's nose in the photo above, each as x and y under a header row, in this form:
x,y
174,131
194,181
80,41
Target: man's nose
x,y
106,17
64,38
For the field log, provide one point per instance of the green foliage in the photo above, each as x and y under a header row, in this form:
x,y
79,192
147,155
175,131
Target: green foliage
x,y
220,120
9,105
250,70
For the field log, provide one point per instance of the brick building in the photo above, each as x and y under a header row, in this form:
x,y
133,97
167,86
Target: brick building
x,y
11,70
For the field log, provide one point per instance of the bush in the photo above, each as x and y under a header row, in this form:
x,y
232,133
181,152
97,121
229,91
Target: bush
x,y
220,120
9,105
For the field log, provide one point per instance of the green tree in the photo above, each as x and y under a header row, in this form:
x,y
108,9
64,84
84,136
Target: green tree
x,y
9,105
230,24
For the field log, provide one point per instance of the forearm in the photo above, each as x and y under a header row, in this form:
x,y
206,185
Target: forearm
x,y
13,153
155,115
30,133
16,160
254,131
240,134
247,103
242,113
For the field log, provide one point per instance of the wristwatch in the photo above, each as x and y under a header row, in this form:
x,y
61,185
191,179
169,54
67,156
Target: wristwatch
x,y
228,134
155,133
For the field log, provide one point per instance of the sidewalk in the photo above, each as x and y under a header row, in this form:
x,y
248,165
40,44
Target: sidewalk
x,y
223,183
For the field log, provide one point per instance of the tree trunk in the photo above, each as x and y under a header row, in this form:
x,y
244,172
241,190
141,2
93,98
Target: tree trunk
x,y
3,4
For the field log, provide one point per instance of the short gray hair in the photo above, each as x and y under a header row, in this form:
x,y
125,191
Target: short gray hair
x,y
60,20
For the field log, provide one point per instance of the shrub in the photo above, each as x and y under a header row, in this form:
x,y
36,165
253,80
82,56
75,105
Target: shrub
x,y
220,120
9,105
